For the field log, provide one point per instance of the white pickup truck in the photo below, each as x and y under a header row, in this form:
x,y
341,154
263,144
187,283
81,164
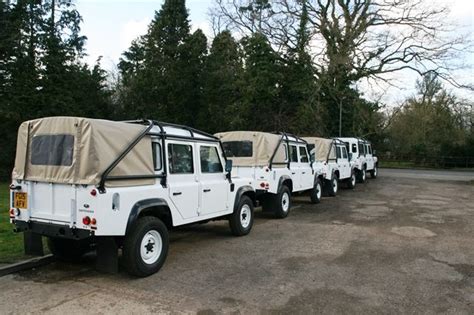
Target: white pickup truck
x,y
332,160
279,165
363,157
83,182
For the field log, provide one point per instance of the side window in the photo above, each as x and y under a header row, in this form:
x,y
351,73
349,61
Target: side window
x,y
361,149
370,149
156,149
285,147
338,152
354,148
293,153
312,151
180,157
344,152
210,162
303,155
367,149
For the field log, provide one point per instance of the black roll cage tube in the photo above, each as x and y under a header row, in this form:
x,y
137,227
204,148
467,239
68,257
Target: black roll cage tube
x,y
163,135
284,137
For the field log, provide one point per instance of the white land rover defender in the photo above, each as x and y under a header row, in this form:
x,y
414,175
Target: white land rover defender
x,y
87,182
332,160
363,157
278,163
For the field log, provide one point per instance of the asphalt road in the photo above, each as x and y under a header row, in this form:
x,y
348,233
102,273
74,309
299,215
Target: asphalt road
x,y
394,245
444,175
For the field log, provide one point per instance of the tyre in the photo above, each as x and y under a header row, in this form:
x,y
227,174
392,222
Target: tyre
x,y
282,202
317,191
351,182
361,175
241,221
373,173
145,247
333,185
68,250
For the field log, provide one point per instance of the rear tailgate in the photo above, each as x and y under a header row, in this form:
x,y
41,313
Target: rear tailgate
x,y
51,202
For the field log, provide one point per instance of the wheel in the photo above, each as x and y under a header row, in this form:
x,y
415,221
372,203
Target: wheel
x,y
145,247
333,185
241,220
373,173
282,202
317,191
68,250
361,175
351,182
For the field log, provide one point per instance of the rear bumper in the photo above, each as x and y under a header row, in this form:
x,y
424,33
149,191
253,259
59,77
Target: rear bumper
x,y
49,229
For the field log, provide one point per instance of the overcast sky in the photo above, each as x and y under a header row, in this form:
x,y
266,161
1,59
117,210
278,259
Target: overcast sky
x,y
110,26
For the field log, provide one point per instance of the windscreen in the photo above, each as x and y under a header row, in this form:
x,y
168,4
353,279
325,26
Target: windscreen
x,y
238,148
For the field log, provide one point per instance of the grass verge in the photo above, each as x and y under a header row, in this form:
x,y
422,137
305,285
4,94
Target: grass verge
x,y
11,244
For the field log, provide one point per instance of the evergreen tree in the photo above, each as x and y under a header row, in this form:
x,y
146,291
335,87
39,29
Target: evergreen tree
x,y
261,108
222,80
164,87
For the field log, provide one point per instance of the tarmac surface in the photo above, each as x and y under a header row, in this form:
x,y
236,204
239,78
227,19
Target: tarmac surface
x,y
402,243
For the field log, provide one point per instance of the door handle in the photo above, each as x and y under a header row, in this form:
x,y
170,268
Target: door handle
x,y
304,173
293,173
177,193
206,190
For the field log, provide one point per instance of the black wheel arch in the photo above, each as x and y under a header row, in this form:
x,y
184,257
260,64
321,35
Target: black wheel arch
x,y
246,190
156,207
285,180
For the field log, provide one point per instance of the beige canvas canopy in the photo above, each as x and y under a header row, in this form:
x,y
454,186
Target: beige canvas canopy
x,y
263,147
323,148
77,150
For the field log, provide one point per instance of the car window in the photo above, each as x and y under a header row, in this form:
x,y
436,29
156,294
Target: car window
x,y
344,152
56,150
370,149
285,147
180,158
354,148
238,148
303,155
293,153
367,149
210,162
156,149
338,152
361,149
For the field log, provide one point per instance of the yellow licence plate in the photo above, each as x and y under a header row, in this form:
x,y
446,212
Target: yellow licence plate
x,y
20,200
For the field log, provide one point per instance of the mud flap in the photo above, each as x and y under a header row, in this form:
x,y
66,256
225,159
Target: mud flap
x,y
33,244
107,255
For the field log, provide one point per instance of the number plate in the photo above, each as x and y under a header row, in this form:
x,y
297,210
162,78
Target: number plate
x,y
20,200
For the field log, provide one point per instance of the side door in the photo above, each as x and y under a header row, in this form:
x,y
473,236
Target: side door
x,y
295,167
345,162
369,158
214,187
182,177
306,171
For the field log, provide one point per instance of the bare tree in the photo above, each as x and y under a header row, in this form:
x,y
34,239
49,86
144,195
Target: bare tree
x,y
359,39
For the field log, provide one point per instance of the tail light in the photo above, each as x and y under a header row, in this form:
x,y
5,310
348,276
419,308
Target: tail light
x,y
94,192
86,220
262,184
93,221
267,185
